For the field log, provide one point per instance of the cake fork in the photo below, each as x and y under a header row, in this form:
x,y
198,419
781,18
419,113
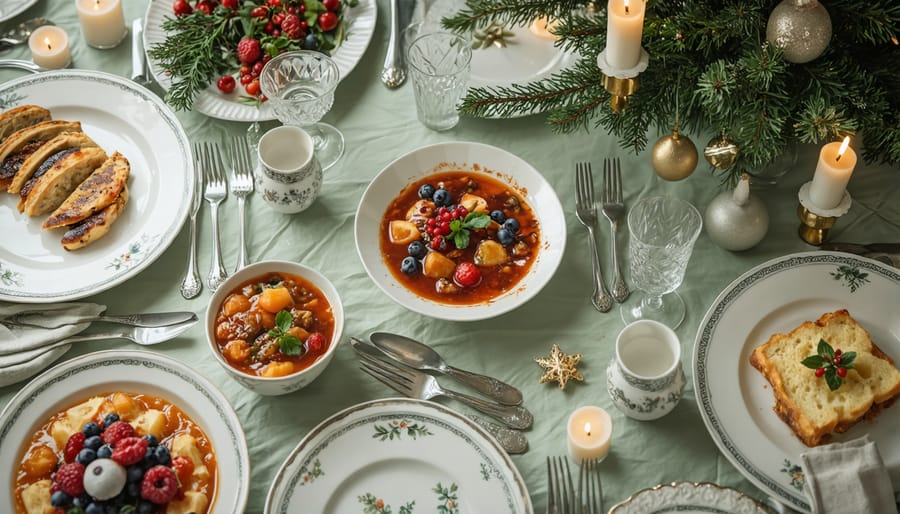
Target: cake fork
x,y
216,191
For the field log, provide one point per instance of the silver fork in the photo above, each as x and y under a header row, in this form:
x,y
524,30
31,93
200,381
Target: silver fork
x,y
216,191
241,187
590,489
613,208
191,284
416,384
560,491
586,212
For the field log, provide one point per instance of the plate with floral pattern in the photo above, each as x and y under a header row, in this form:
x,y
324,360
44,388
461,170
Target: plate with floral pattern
x,y
689,498
775,297
118,115
397,455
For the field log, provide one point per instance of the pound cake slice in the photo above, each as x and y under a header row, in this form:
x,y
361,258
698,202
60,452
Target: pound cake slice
x,y
805,401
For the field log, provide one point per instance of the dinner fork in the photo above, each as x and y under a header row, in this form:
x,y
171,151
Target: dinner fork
x,y
416,384
590,489
191,285
613,208
216,191
241,187
586,212
560,491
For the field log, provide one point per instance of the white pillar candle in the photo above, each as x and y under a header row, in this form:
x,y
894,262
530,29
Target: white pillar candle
x,y
102,22
625,25
589,432
50,47
836,163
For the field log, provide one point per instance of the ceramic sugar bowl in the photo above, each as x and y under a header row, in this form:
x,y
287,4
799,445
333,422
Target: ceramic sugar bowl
x,y
645,379
290,176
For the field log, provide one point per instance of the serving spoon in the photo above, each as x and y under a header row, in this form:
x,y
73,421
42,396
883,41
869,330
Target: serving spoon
x,y
20,33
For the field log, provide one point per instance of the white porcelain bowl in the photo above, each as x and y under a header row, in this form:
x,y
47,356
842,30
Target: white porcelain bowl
x,y
150,373
289,383
477,159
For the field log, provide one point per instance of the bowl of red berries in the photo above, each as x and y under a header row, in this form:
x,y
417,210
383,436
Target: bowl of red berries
x,y
460,231
122,431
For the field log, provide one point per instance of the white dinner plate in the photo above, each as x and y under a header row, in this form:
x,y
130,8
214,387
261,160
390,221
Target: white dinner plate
x,y
477,159
776,297
689,498
397,455
119,115
214,103
110,371
9,9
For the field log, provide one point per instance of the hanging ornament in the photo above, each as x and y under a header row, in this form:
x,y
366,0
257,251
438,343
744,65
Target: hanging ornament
x,y
721,152
802,28
674,156
736,220
559,367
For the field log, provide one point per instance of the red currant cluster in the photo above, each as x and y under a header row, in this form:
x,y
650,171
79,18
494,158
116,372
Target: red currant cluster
x,y
836,362
438,225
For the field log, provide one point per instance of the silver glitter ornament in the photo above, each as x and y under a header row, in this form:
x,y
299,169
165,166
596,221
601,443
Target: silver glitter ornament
x,y
801,28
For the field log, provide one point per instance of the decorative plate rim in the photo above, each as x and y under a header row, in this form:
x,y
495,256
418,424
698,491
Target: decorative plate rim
x,y
760,506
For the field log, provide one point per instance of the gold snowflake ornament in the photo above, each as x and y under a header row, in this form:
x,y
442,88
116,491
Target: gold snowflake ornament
x,y
559,367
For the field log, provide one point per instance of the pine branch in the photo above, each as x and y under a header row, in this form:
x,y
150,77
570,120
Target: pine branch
x,y
481,13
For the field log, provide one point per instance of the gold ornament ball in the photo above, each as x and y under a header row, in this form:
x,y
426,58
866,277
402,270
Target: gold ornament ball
x,y
801,28
721,152
674,157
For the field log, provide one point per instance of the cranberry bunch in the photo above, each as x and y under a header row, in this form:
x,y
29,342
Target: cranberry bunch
x,y
438,225
837,362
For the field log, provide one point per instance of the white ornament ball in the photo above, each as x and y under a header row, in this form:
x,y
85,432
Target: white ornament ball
x,y
104,478
801,28
736,220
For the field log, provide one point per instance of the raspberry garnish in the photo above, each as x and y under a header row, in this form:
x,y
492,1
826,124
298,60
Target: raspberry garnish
x,y
159,485
129,450
73,446
248,50
70,479
116,432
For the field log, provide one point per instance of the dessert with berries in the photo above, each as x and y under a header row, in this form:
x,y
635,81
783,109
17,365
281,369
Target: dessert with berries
x,y
227,42
459,238
274,325
117,453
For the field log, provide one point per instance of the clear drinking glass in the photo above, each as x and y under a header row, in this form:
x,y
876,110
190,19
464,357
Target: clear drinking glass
x,y
439,64
663,230
300,86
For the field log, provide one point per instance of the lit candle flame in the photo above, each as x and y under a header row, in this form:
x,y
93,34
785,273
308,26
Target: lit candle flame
x,y
587,428
843,148
47,42
626,6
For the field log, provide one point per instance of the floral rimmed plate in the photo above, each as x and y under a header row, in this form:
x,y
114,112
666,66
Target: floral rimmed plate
x,y
9,9
401,456
119,115
689,498
775,297
133,372
213,103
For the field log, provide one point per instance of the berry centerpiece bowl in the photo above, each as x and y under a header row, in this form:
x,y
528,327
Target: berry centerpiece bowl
x,y
47,405
274,326
460,231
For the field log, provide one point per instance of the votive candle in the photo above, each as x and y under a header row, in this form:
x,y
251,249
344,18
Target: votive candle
x,y
589,433
836,163
625,26
541,28
50,47
102,22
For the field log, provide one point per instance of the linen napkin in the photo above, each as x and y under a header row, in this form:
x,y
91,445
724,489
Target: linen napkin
x,y
848,478
18,338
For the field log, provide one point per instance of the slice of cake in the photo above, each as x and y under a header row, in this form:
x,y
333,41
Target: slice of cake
x,y
803,400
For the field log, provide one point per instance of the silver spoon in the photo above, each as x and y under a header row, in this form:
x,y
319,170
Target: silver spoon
x,y
20,33
422,357
394,73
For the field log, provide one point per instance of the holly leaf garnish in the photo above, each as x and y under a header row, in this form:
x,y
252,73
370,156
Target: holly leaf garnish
x,y
847,359
832,379
825,349
288,343
460,229
813,361
829,362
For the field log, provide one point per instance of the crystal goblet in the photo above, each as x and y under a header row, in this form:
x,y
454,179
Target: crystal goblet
x,y
300,86
663,230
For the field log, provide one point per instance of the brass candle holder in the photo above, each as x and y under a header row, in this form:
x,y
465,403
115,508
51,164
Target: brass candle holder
x,y
621,83
816,222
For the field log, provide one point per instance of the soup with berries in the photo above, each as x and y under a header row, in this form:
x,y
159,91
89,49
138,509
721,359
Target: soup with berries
x,y
274,325
459,238
117,452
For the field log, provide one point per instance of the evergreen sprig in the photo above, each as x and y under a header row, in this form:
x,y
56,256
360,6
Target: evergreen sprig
x,y
713,56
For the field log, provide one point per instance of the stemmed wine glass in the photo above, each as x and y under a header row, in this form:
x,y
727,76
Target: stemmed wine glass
x,y
663,230
300,86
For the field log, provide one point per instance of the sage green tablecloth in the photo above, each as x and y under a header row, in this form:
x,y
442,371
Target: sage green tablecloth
x,y
380,125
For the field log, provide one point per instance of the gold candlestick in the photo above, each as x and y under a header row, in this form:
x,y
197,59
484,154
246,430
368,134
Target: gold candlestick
x,y
815,222
621,83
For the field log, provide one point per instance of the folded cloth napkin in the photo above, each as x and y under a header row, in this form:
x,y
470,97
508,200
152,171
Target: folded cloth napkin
x,y
848,478
17,338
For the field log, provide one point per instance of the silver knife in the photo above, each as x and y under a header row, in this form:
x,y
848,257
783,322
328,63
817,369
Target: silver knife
x,y
139,72
38,319
888,253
